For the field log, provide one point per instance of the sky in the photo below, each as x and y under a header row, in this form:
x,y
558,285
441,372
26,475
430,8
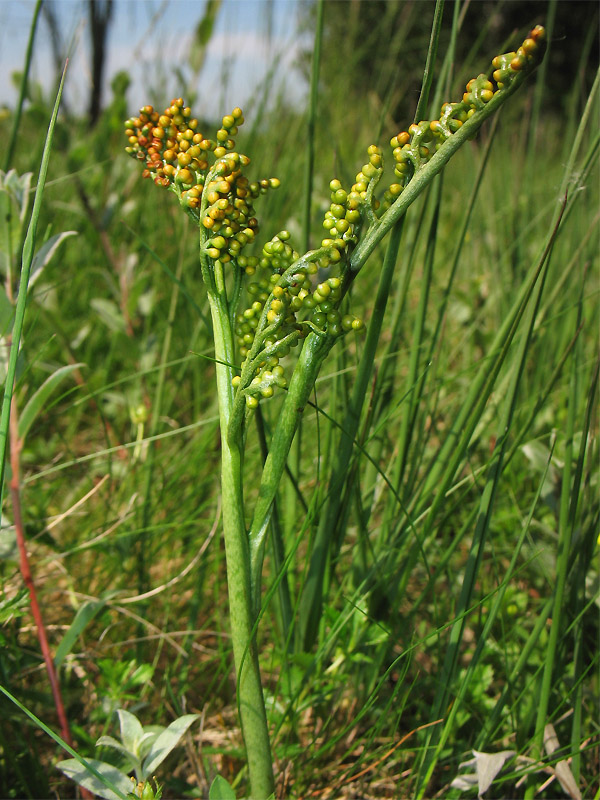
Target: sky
x,y
151,39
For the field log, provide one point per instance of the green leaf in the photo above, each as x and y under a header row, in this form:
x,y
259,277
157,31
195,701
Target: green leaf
x,y
38,400
7,312
14,202
140,676
164,743
45,253
151,734
220,789
110,741
78,773
132,732
21,305
85,614
8,544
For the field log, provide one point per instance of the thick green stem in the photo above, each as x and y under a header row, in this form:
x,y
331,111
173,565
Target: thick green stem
x,y
237,552
316,348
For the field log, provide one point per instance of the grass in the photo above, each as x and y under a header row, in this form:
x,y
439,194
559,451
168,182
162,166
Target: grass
x,y
460,583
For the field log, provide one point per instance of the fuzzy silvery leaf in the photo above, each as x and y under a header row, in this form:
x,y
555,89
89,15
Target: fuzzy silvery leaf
x,y
151,734
18,188
110,741
131,731
109,313
167,740
77,772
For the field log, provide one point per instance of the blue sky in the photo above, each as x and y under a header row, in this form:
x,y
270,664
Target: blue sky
x,y
150,39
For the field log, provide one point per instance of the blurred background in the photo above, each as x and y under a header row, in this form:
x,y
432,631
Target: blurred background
x,y
219,53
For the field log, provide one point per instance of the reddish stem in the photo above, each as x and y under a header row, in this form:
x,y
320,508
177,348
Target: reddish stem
x,y
15,492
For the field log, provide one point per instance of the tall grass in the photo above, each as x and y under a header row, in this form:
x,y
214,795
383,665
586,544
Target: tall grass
x,y
432,582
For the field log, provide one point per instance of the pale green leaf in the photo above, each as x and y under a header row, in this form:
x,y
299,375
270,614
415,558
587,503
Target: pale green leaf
x,y
131,730
115,744
164,743
45,253
8,543
37,401
108,313
151,734
120,782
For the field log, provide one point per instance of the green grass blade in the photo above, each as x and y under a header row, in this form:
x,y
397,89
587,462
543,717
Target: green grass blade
x,y
10,150
584,559
565,535
479,537
310,611
28,252
436,26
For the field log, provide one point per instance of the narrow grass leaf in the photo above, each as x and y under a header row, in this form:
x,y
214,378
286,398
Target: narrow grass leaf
x,y
28,251
8,157
37,402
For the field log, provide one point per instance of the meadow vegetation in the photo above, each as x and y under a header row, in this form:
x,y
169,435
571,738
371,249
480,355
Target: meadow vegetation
x,y
431,580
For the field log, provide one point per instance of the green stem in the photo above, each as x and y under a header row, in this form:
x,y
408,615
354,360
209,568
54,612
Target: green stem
x,y
286,613
415,381
428,171
251,703
316,348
